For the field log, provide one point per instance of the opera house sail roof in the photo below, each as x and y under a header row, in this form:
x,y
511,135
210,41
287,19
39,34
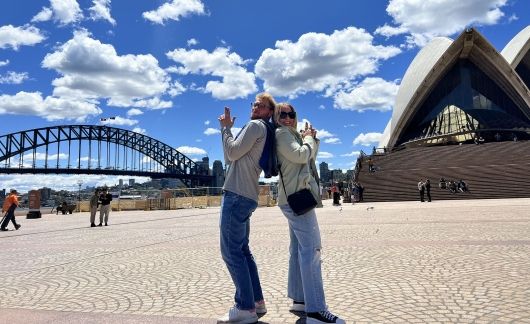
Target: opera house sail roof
x,y
454,90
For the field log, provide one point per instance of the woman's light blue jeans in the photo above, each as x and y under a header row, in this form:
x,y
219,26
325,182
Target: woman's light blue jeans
x,y
235,229
305,271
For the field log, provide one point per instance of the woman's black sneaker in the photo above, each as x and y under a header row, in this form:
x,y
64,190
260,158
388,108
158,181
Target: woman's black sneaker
x,y
323,317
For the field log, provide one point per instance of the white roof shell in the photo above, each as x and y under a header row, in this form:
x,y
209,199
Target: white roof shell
x,y
517,48
416,73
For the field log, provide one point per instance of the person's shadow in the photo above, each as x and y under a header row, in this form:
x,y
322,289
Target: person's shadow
x,y
302,319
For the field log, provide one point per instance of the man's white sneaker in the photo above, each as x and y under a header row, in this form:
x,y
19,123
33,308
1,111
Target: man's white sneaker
x,y
297,307
261,308
239,316
323,317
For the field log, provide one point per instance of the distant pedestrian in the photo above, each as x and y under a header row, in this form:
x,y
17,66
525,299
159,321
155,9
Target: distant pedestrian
x,y
428,189
94,203
421,189
10,204
105,198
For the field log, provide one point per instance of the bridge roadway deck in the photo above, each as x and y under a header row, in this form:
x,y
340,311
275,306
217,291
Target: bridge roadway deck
x,y
445,261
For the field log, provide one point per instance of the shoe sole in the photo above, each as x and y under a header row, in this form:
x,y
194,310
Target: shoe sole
x,y
245,321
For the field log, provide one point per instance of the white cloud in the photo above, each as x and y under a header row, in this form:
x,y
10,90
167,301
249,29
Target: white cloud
x,y
139,130
321,107
206,122
189,150
176,89
322,133
44,15
51,108
101,10
353,153
324,155
15,37
13,77
370,94
332,140
25,182
367,139
151,103
119,121
92,70
236,82
211,131
192,42
175,10
421,19
320,62
134,112
63,11
4,63
39,156
389,31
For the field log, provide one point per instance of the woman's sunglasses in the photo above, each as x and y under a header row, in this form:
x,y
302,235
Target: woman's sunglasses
x,y
284,114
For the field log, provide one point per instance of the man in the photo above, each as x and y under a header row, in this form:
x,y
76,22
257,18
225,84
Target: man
x,y
10,204
105,199
94,202
240,199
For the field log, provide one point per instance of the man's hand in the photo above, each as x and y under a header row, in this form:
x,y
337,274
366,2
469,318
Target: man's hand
x,y
226,120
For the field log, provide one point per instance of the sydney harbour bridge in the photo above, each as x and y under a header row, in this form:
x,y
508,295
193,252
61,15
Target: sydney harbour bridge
x,y
93,149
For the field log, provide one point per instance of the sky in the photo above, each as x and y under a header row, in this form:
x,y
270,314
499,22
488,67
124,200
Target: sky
x,y
166,68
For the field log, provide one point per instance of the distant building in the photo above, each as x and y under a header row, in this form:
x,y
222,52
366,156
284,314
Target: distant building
x,y
204,165
2,193
218,174
131,182
324,173
337,175
121,183
45,193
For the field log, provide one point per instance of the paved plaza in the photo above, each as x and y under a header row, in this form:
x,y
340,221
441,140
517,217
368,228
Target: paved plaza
x,y
407,262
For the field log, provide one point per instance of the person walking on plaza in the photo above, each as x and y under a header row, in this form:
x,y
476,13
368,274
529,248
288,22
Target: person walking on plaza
x,y
9,206
240,199
421,189
295,151
428,189
94,202
105,200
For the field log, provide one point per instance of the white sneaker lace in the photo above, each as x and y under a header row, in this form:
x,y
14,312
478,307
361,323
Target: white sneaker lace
x,y
327,315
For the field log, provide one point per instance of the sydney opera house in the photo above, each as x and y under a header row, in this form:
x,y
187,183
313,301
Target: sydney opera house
x,y
454,95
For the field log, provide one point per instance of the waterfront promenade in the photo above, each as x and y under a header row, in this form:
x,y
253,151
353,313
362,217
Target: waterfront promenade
x,y
407,262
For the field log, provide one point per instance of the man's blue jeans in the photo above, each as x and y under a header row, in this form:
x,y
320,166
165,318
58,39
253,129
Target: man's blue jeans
x,y
304,283
235,229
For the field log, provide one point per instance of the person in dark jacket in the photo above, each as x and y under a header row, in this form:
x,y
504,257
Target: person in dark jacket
x,y
105,198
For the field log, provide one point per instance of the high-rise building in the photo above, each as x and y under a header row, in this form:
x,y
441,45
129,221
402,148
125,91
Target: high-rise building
x,y
131,182
45,193
324,173
218,175
121,183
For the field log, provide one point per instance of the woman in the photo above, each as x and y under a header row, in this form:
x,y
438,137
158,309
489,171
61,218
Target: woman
x,y
295,152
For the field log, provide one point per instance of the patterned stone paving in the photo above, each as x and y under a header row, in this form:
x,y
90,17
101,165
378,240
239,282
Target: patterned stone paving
x,y
445,261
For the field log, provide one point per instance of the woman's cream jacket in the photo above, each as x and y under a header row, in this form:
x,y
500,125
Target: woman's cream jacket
x,y
295,156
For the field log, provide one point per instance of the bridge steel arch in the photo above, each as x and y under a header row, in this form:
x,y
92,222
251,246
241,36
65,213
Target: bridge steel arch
x,y
171,163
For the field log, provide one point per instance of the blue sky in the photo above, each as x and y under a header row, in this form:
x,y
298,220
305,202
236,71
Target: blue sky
x,y
166,68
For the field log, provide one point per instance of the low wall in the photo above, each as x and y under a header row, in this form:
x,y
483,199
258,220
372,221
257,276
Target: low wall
x,y
174,203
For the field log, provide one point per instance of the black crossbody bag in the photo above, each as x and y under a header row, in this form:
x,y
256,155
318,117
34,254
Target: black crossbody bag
x,y
301,201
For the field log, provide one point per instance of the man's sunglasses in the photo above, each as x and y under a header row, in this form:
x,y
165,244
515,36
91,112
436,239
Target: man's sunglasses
x,y
284,114
258,105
